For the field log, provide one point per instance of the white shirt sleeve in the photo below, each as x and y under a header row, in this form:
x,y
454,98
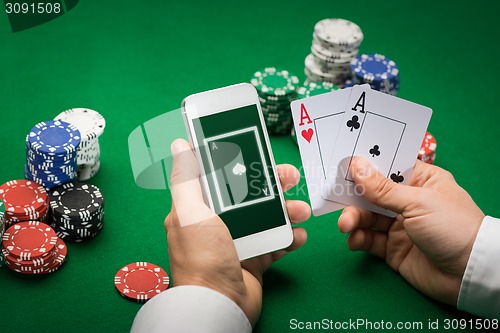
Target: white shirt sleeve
x,y
480,289
190,309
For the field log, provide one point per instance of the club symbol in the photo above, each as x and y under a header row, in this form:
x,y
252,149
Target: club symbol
x,y
239,169
353,123
397,178
375,151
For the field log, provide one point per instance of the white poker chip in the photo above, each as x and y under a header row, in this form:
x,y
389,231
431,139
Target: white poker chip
x,y
339,32
90,123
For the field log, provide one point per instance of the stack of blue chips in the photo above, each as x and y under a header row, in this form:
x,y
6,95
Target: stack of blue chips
x,y
380,72
51,149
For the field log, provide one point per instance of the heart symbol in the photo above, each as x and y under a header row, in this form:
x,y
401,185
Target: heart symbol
x,y
307,134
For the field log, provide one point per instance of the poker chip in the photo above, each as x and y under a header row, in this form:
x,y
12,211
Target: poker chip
x,y
46,264
335,44
339,33
315,88
276,89
29,240
53,138
51,152
427,152
140,281
77,211
274,82
348,84
91,125
377,70
23,200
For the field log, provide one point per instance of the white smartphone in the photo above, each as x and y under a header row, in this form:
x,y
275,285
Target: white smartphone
x,y
238,177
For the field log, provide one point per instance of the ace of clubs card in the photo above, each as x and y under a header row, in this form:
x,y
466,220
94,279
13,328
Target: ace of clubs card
x,y
385,130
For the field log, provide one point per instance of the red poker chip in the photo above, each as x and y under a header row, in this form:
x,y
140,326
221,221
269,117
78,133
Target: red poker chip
x,y
428,145
45,261
49,265
140,281
23,197
29,240
62,252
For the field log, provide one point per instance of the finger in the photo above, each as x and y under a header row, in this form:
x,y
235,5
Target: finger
x,y
379,190
368,240
353,218
299,239
298,211
425,174
185,186
289,176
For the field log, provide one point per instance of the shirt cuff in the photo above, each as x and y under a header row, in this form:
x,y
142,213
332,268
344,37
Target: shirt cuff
x,y
190,309
480,289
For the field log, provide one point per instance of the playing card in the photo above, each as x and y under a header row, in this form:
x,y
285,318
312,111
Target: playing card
x,y
317,120
237,181
385,130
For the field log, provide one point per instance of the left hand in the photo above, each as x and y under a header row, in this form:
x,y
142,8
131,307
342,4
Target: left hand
x,y
201,249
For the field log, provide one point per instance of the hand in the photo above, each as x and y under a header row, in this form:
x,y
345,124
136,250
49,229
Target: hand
x,y
430,240
200,246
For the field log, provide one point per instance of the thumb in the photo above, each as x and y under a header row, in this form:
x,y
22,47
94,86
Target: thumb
x,y
187,196
379,190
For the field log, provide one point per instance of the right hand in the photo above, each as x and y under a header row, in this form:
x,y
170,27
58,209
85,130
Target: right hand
x,y
430,240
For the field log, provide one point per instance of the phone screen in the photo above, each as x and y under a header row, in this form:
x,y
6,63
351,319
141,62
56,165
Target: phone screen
x,y
238,171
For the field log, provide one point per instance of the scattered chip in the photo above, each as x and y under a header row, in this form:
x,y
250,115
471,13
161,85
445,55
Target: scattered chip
x,y
140,281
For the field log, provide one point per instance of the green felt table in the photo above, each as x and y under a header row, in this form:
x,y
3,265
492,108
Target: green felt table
x,y
134,60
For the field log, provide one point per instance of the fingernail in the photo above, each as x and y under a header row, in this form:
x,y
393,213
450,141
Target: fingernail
x,y
364,168
177,147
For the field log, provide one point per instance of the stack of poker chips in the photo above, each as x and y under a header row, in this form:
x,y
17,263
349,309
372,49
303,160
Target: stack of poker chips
x,y
91,125
77,211
427,152
51,153
380,72
335,43
276,89
32,247
24,200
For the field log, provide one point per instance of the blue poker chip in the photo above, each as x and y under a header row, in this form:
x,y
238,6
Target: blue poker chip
x,y
51,153
33,154
55,170
57,174
374,68
348,84
47,182
54,137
